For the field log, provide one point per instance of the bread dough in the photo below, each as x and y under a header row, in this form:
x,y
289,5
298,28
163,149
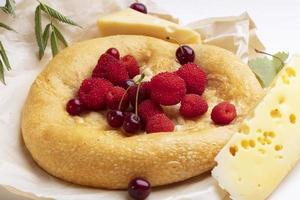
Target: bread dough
x,y
85,150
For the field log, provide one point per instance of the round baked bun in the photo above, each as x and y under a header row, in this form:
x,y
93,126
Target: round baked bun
x,y
86,151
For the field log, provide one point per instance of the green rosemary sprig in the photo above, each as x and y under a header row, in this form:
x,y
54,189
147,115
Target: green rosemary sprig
x,y
4,63
9,7
51,31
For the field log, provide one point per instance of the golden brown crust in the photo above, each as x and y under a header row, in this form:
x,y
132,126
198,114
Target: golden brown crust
x,y
84,150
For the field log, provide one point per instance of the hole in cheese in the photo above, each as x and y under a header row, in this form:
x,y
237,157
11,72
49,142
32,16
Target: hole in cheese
x,y
292,118
285,79
278,147
233,150
281,100
269,134
290,72
245,144
252,143
244,128
275,113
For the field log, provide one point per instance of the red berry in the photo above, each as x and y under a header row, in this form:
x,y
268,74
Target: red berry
x,y
113,52
185,54
92,93
194,77
149,108
159,123
114,97
223,113
193,105
115,118
112,69
131,65
139,7
74,107
139,189
167,88
100,70
132,123
144,92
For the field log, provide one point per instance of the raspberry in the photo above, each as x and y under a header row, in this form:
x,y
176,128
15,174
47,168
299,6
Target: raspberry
x,y
144,92
223,113
167,88
114,97
92,93
110,68
193,105
159,123
194,77
149,108
113,52
131,65
101,67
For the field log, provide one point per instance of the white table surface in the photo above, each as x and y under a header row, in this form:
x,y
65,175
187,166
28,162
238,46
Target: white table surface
x,y
278,25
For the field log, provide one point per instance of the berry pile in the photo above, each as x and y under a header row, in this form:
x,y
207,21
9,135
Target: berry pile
x,y
135,105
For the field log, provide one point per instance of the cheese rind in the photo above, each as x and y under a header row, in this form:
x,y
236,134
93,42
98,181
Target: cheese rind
x,y
266,147
131,22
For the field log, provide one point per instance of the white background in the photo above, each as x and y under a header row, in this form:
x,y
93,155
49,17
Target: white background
x,y
278,25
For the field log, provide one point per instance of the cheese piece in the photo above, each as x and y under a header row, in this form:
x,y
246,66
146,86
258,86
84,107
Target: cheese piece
x,y
267,144
131,22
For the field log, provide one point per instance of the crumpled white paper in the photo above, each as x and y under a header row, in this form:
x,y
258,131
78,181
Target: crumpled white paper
x,y
18,172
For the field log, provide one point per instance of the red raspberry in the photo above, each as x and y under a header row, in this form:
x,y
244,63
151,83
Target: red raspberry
x,y
194,77
144,92
167,88
193,105
223,113
159,123
149,108
100,69
112,69
92,93
114,97
131,65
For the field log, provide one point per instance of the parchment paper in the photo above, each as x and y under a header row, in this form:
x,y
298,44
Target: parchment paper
x,y
18,172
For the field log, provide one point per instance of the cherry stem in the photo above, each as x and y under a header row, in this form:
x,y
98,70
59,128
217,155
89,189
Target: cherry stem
x,y
137,98
171,38
126,91
262,52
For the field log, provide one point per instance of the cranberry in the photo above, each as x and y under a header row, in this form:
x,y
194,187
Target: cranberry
x,y
139,189
139,7
132,123
74,107
185,54
115,118
113,52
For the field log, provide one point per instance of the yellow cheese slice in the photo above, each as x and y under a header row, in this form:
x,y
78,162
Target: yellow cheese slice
x,y
267,144
131,22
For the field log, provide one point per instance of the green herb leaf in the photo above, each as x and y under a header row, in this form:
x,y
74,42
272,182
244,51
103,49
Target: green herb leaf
x,y
57,15
4,57
2,73
2,25
38,31
54,45
278,59
266,69
60,36
9,7
46,35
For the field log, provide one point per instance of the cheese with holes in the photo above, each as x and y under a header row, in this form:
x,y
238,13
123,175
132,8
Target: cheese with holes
x,y
131,22
267,144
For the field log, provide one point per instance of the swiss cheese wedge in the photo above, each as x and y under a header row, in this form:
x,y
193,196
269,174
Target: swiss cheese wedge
x,y
131,22
267,145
